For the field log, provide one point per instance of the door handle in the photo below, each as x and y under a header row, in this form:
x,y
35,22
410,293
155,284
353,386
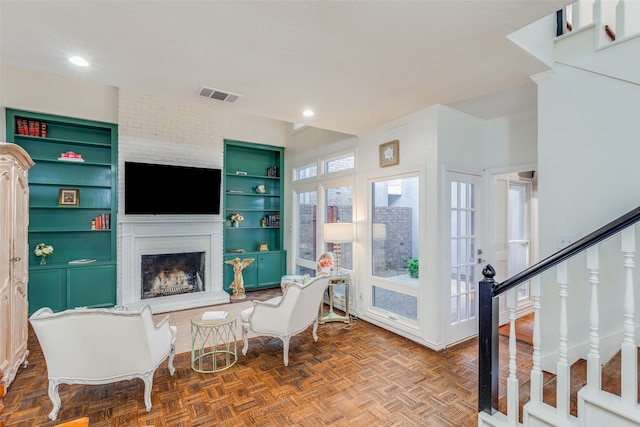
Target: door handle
x,y
15,259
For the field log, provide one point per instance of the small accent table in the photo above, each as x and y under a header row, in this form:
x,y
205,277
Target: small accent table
x,y
213,343
336,279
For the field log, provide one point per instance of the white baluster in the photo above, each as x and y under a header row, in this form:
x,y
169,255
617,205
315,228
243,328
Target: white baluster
x,y
594,372
513,398
576,21
563,368
629,353
620,19
536,370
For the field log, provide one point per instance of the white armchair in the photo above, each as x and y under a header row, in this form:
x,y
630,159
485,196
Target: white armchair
x,y
285,316
102,346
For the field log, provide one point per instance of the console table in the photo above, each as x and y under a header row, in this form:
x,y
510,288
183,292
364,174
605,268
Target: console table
x,y
336,279
213,343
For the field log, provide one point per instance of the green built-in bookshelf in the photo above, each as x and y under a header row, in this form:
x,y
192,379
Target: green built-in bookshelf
x,y
72,207
253,189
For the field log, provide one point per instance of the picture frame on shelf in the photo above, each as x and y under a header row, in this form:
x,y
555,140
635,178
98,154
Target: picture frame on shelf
x,y
68,197
390,153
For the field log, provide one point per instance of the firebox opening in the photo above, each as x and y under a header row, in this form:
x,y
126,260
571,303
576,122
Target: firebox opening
x,y
172,274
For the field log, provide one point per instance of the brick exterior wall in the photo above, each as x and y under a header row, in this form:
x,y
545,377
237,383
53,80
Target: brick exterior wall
x,y
390,255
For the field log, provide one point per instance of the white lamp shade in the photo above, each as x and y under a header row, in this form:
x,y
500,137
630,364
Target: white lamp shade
x,y
338,232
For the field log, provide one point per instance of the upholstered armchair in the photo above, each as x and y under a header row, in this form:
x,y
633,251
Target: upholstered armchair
x,y
287,315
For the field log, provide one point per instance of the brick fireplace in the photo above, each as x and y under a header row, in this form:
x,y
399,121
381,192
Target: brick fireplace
x,y
168,243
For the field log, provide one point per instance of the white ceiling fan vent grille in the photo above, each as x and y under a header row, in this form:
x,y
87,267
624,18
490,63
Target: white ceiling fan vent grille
x,y
220,95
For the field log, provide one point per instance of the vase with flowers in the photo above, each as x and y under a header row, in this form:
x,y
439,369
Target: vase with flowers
x,y
325,265
43,251
236,219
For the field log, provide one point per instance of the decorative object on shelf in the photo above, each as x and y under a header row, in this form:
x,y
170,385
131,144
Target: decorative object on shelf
x,y
272,171
412,264
260,189
389,153
69,197
70,156
237,251
236,219
263,247
43,251
238,281
336,233
325,263
235,191
263,221
241,173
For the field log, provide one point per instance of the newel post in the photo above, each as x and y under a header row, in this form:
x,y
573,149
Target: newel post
x,y
488,351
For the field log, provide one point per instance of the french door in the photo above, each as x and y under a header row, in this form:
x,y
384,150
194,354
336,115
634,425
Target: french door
x,y
464,255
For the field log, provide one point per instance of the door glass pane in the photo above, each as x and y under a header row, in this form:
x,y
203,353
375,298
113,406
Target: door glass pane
x,y
306,229
463,252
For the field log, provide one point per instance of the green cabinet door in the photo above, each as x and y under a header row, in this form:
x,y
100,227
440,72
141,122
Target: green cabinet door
x,y
47,288
270,267
91,286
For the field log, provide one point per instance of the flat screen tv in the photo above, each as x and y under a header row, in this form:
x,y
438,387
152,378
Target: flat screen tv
x,y
154,189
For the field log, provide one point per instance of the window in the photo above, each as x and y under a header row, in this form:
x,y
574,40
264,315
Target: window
x,y
395,245
339,205
304,172
338,164
305,219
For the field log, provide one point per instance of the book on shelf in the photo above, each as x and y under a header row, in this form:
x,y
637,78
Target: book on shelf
x,y
31,127
70,156
271,220
101,222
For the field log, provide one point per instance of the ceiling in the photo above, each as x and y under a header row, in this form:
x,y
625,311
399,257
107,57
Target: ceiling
x,y
357,64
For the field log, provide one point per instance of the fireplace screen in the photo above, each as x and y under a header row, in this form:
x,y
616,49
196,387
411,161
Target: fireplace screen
x,y
172,274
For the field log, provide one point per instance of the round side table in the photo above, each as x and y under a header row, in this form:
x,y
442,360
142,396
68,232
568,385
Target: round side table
x,y
213,343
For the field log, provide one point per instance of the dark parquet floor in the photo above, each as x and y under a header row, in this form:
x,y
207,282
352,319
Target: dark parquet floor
x,y
355,375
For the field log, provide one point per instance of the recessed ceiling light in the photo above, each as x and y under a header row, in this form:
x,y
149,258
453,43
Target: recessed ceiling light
x,y
80,62
307,113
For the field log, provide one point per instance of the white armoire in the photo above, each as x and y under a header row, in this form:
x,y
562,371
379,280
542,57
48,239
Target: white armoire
x,y
14,258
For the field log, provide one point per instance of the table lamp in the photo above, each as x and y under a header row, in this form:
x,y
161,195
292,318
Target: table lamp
x,y
336,233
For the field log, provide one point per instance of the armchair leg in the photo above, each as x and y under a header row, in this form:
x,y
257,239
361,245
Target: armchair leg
x,y
315,330
285,349
246,342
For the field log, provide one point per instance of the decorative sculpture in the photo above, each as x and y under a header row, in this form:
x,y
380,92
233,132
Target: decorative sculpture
x,y
238,281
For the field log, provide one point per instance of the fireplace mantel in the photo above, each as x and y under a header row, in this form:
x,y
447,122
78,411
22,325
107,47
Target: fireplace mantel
x,y
149,235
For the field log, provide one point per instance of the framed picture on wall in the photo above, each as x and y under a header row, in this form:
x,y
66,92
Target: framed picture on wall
x,y
389,153
69,197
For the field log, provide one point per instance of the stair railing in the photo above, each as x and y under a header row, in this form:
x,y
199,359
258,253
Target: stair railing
x,y
490,290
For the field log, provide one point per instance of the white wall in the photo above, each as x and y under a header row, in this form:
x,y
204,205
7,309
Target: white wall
x,y
47,93
151,128
588,159
430,140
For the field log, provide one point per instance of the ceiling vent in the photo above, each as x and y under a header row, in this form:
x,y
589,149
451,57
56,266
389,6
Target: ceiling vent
x,y
209,92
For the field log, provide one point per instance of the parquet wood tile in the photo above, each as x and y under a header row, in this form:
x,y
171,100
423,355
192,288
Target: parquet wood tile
x,y
360,375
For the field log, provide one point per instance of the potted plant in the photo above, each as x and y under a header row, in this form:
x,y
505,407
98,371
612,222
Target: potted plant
x,y
412,264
